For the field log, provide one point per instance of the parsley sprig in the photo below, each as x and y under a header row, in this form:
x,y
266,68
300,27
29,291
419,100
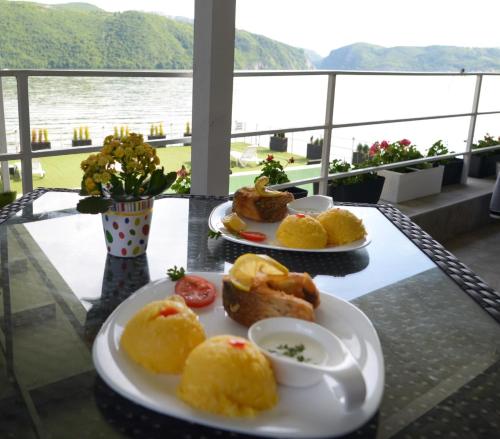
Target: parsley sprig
x,y
292,352
176,273
214,235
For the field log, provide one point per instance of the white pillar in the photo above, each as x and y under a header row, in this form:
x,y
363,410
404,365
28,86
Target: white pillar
x,y
213,66
3,143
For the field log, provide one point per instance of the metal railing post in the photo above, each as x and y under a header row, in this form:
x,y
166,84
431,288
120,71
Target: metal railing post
x,y
327,137
24,132
3,144
472,128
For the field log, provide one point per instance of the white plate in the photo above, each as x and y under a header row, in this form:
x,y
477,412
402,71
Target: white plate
x,y
312,412
219,212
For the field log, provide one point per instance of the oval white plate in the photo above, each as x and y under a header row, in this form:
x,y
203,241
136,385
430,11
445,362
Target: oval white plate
x,y
313,412
219,212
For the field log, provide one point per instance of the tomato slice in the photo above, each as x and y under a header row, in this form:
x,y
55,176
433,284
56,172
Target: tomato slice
x,y
253,236
196,291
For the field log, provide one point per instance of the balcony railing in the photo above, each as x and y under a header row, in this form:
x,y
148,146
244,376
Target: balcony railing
x,y
26,155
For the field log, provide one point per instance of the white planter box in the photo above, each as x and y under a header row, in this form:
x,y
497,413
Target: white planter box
x,y
400,187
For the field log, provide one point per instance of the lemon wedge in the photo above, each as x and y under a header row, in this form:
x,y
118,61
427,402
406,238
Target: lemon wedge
x,y
250,265
260,187
234,223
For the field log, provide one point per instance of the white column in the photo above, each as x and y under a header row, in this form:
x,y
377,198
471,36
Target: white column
x,y
3,143
213,66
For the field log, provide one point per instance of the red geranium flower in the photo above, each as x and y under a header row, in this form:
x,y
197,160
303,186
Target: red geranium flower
x,y
384,144
270,158
405,142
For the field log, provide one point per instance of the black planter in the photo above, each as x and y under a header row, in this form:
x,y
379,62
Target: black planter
x,y
483,165
187,143
160,140
278,144
365,192
296,191
37,146
452,173
314,151
82,142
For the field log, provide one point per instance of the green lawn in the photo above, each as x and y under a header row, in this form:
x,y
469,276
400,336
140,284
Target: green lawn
x,y
64,171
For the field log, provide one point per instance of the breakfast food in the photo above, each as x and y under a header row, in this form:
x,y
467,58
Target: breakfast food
x,y
229,376
301,231
342,226
261,204
160,336
258,287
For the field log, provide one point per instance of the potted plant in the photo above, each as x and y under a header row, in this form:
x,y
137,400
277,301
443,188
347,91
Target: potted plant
x,y
484,164
156,132
361,154
7,198
314,149
40,142
182,184
187,133
407,182
452,173
81,137
362,188
120,182
278,142
273,169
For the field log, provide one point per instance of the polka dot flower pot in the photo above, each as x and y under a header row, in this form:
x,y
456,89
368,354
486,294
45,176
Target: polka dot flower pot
x,y
126,227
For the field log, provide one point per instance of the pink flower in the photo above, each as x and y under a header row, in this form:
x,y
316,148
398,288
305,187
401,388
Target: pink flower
x,y
405,142
291,160
270,158
374,149
384,144
183,172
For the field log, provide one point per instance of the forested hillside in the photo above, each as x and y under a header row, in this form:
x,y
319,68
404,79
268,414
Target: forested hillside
x,y
79,35
362,56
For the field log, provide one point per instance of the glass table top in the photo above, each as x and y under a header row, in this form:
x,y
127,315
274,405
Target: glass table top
x,y
441,349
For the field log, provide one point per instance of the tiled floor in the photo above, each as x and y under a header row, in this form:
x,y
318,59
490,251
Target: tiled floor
x,y
480,250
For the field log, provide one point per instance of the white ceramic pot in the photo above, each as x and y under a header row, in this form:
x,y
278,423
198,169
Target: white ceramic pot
x,y
126,227
401,187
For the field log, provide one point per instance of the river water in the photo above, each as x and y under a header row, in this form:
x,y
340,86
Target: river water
x,y
60,104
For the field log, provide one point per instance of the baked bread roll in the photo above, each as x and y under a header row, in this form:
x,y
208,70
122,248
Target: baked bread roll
x,y
259,204
291,295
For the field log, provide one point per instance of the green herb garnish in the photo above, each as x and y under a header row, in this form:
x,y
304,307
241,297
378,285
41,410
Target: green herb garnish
x,y
214,235
176,273
293,352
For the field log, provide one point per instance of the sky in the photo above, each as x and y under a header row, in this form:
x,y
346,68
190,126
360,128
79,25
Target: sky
x,y
324,25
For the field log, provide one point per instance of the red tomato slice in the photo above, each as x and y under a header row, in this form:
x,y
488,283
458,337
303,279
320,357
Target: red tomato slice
x,y
196,291
253,236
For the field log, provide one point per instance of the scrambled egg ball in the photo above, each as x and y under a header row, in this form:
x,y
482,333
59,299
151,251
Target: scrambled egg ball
x,y
342,226
162,334
229,376
301,231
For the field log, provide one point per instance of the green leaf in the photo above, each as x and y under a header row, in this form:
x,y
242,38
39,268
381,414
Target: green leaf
x,y
159,182
94,205
116,186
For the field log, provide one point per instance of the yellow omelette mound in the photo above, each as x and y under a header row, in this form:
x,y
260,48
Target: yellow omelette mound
x,y
229,376
341,226
161,342
301,231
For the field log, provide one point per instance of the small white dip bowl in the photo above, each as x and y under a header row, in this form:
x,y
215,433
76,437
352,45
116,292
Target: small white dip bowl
x,y
283,340
312,205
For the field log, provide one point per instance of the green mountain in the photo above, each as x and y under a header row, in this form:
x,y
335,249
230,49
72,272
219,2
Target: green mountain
x,y
79,35
362,56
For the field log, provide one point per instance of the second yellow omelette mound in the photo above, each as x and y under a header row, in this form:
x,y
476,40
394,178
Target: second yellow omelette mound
x,y
342,226
229,376
161,335
301,231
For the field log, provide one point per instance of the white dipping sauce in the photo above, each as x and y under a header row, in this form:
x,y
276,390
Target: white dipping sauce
x,y
312,352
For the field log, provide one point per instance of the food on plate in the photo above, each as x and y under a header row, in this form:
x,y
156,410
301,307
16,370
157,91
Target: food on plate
x,y
234,223
258,287
195,290
229,376
342,226
261,204
253,236
160,336
301,231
